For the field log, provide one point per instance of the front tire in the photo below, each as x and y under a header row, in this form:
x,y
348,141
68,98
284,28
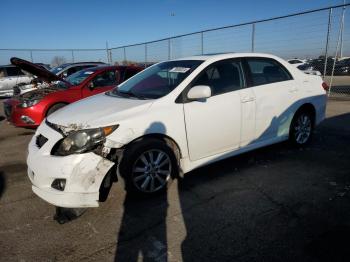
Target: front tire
x,y
148,167
301,128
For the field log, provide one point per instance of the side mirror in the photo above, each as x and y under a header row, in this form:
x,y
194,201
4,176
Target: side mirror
x,y
91,86
199,92
64,74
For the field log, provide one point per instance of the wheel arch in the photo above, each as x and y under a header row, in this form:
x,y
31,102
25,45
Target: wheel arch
x,y
167,139
52,105
307,107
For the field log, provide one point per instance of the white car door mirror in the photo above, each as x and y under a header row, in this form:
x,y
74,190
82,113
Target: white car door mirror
x,y
199,92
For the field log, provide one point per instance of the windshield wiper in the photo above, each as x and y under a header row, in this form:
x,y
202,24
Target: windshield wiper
x,y
131,94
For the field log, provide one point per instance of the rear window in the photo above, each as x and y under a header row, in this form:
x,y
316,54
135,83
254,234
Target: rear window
x,y
266,71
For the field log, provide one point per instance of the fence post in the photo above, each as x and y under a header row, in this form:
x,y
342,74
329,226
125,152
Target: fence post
x,y
169,49
145,55
107,53
110,56
202,44
327,42
124,56
31,56
253,37
72,56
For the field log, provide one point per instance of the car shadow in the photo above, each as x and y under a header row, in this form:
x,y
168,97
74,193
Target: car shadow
x,y
143,227
332,245
2,183
246,241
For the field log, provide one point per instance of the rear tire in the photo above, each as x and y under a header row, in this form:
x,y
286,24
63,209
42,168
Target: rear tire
x,y
54,108
301,128
148,167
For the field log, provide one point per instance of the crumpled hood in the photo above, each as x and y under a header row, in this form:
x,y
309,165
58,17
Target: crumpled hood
x,y
38,94
97,111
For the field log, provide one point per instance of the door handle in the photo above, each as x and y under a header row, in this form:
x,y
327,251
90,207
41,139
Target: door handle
x,y
247,99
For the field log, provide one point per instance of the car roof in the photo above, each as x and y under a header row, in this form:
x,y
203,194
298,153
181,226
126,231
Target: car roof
x,y
221,56
100,68
80,63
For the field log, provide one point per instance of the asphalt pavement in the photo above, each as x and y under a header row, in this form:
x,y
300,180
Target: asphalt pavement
x,y
273,204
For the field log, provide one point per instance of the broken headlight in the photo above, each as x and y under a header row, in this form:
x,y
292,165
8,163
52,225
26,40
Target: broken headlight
x,y
82,141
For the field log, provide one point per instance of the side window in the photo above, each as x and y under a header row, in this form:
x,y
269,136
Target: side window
x,y
265,71
222,77
2,72
107,78
14,71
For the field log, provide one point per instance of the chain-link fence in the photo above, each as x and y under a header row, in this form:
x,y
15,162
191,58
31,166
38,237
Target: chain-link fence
x,y
316,41
53,56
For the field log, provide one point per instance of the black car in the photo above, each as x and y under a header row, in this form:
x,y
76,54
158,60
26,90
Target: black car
x,y
318,65
342,67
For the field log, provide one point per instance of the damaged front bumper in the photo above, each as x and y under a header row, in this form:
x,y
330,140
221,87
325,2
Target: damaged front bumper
x,y
82,173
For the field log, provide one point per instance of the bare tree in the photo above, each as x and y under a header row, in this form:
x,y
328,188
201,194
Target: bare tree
x,y
58,60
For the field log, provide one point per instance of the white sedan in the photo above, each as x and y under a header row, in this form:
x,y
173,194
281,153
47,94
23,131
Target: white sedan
x,y
169,119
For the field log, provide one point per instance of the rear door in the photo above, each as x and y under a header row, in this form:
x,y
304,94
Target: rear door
x,y
275,92
101,82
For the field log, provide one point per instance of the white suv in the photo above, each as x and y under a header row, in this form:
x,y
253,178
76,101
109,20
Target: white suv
x,y
169,119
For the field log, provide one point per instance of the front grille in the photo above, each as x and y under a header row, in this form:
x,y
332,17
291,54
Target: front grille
x,y
40,140
7,110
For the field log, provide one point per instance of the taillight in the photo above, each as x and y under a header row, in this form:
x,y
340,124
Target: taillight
x,y
325,86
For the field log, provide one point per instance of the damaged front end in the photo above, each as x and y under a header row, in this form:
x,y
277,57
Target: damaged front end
x,y
69,166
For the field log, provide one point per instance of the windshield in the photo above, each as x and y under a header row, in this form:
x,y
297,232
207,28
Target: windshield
x,y
57,69
78,77
158,80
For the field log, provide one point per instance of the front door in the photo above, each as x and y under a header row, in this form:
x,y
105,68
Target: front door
x,y
213,125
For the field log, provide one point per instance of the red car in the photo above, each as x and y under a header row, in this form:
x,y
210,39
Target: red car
x,y
29,109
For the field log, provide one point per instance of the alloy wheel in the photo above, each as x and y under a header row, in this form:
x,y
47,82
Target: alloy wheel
x,y
302,129
151,171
